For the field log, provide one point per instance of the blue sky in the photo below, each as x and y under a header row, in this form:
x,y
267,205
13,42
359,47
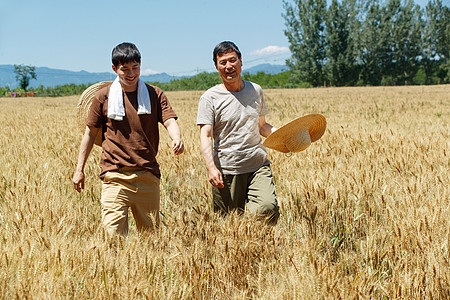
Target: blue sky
x,y
176,37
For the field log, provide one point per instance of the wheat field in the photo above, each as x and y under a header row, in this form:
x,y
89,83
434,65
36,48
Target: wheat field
x,y
364,211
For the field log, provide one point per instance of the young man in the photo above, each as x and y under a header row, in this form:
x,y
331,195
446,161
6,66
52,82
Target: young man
x,y
232,116
128,112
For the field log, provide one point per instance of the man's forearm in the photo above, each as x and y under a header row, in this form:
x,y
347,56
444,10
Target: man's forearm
x,y
207,152
173,129
85,148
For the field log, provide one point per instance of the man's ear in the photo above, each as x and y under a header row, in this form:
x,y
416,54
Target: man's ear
x,y
114,68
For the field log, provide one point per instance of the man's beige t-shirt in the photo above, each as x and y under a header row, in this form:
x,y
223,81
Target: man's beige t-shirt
x,y
235,116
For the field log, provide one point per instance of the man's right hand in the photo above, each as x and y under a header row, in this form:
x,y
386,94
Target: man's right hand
x,y
215,178
85,148
78,181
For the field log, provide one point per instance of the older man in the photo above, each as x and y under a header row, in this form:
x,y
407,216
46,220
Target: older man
x,y
231,117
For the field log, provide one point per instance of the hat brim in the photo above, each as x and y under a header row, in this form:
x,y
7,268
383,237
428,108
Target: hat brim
x,y
313,124
85,103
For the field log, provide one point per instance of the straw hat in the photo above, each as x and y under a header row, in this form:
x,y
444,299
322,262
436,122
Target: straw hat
x,y
84,104
298,134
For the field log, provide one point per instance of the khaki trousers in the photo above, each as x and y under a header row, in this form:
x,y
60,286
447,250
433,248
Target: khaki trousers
x,y
130,187
256,191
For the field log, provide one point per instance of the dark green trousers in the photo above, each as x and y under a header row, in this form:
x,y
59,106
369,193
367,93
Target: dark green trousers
x,y
254,191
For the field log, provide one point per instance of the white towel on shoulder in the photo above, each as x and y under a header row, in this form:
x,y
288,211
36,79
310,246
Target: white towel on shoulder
x,y
116,108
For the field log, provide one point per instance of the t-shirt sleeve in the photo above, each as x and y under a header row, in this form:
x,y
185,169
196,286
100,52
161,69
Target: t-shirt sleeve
x,y
165,110
263,109
95,116
205,113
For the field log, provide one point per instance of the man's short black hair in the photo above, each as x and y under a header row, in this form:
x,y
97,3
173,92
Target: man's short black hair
x,y
225,47
125,53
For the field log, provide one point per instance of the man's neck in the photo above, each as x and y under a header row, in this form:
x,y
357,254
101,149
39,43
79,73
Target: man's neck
x,y
129,89
126,87
236,86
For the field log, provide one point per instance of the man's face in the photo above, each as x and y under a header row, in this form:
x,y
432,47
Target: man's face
x,y
128,75
229,66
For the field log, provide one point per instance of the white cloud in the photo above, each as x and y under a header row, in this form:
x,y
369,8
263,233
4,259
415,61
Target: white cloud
x,y
269,50
146,72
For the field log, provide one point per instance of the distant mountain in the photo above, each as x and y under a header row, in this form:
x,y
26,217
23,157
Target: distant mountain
x,y
266,68
53,77
160,77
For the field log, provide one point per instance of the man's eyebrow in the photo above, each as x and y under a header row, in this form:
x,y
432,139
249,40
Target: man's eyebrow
x,y
225,59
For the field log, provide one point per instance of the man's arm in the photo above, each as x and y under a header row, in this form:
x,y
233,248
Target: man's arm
x,y
85,148
265,129
215,177
175,134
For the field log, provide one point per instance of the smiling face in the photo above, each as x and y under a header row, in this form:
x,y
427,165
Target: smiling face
x,y
229,66
128,75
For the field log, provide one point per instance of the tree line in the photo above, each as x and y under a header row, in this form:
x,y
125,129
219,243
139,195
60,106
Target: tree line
x,y
43,91
26,73
359,42
204,81
201,81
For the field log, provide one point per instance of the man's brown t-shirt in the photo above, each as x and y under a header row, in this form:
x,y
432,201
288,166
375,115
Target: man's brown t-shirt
x,y
133,141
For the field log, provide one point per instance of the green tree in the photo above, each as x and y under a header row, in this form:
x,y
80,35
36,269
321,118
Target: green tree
x,y
201,81
403,22
272,81
24,74
436,42
305,22
341,68
372,42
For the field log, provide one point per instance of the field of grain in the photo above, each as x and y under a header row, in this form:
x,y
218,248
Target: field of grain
x,y
365,211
